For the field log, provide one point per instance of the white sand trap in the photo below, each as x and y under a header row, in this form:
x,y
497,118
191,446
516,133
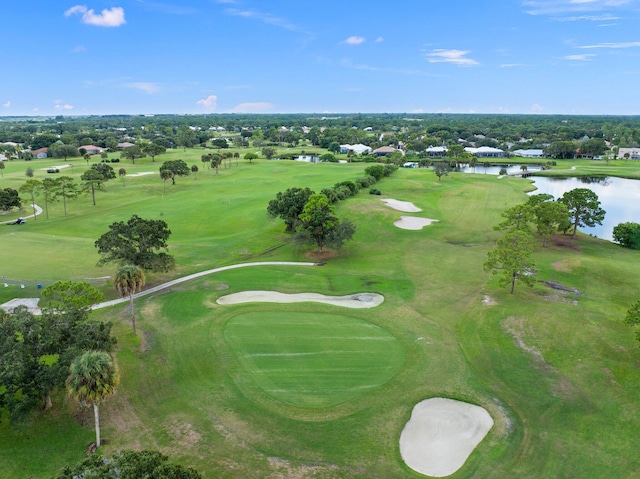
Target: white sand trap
x,y
413,222
143,173
405,206
441,434
59,167
358,300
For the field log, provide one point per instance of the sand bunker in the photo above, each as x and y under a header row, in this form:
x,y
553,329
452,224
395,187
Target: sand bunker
x,y
405,206
59,167
413,222
143,173
358,300
441,434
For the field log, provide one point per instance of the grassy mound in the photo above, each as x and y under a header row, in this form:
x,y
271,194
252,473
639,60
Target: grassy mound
x,y
313,360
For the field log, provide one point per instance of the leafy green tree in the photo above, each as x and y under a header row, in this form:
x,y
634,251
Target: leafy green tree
x,y
132,153
194,170
441,169
319,223
128,464
518,217
512,257
49,193
153,150
139,242
36,351
627,235
9,198
93,377
93,181
2,169
176,167
250,156
29,172
33,188
550,217
129,280
561,149
105,170
67,189
58,150
206,160
71,296
269,152
334,147
220,143
288,205
584,208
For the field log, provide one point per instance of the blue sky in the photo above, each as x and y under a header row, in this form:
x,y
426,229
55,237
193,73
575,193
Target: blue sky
x,y
329,56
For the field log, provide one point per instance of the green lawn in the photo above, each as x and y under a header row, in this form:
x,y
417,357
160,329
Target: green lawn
x,y
213,386
313,360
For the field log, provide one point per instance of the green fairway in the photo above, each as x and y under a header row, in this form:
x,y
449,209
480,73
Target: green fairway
x,y
313,390
313,360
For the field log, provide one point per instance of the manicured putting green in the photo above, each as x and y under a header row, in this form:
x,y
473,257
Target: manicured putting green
x,y
313,360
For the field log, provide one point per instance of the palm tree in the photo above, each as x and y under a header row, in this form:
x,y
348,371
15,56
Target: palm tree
x,y
165,175
122,173
93,377
129,280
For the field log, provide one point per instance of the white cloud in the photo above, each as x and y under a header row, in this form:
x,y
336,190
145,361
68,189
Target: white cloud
x,y
147,87
379,39
451,56
262,17
512,65
535,108
579,58
66,106
113,17
354,40
258,107
7,104
79,49
613,45
559,7
209,103
589,18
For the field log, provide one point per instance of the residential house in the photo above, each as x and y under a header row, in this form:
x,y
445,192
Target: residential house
x,y
436,151
125,144
633,153
384,151
358,148
531,153
40,153
92,149
486,152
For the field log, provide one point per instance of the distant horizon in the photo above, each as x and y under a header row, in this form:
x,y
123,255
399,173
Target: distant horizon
x,y
550,57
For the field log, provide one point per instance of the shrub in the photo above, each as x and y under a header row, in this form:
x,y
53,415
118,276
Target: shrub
x,y
53,170
377,171
373,191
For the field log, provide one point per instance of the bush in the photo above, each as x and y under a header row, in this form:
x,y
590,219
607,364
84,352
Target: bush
x,y
115,160
373,191
53,170
377,171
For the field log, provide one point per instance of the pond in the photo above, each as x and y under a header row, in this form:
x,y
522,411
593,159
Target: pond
x,y
619,197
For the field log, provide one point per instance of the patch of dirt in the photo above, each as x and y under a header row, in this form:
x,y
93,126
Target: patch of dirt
x,y
565,242
222,287
560,287
183,433
560,386
321,257
285,470
146,340
566,265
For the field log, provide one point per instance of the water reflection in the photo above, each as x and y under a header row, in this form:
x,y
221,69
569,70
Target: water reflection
x,y
619,197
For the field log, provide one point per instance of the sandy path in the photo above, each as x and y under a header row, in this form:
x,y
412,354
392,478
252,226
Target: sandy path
x,y
358,300
35,207
405,206
413,222
160,287
441,434
142,173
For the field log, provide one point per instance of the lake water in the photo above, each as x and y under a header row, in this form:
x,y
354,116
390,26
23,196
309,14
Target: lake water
x,y
619,197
